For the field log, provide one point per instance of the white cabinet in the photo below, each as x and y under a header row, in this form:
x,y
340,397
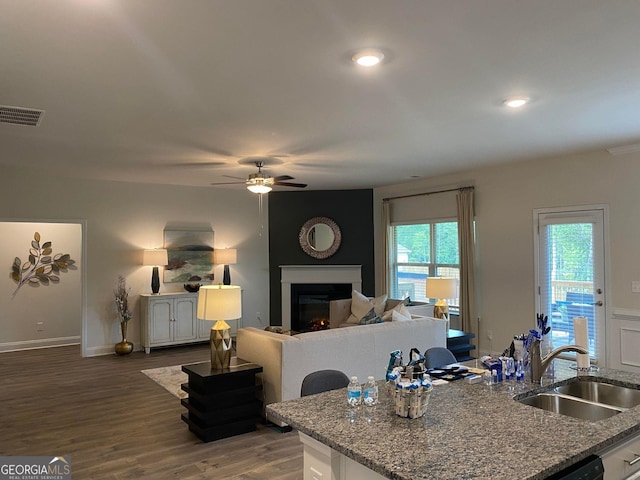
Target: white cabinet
x,y
169,319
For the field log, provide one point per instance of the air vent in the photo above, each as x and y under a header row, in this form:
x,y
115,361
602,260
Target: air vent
x,y
20,116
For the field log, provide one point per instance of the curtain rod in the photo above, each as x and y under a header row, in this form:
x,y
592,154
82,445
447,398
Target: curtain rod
x,y
459,189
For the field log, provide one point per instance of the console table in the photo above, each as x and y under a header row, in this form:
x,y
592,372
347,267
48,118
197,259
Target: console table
x,y
458,342
221,403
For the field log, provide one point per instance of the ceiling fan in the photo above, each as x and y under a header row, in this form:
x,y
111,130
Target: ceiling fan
x,y
262,183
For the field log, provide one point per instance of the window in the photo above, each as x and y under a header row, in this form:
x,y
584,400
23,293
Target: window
x,y
422,250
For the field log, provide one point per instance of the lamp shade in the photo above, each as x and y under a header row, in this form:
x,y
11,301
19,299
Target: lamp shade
x,y
219,302
440,287
225,256
155,257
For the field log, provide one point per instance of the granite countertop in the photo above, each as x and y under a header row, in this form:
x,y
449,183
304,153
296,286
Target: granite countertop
x,y
469,431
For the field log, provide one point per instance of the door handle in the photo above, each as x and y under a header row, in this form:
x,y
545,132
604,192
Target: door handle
x,y
634,461
598,303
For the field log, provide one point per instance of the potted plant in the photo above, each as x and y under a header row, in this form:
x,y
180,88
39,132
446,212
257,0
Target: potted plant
x,y
121,294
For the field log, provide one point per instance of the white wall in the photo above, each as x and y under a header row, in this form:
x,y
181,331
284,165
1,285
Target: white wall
x,y
124,218
506,196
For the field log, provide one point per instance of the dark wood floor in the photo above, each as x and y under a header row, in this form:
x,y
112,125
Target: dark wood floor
x,y
118,424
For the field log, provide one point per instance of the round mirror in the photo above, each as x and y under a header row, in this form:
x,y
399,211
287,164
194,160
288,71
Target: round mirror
x,y
320,237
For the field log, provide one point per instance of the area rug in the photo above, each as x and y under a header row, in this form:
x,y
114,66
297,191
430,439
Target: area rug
x,y
170,378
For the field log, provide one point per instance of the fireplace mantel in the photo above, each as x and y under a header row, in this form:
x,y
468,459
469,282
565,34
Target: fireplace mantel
x,y
305,274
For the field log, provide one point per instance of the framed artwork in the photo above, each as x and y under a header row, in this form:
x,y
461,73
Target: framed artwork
x,y
190,256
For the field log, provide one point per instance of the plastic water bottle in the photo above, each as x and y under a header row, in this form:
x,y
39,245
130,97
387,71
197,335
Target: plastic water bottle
x,y
354,392
370,392
519,371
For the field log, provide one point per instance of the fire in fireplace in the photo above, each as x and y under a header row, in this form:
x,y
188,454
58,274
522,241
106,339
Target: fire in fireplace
x,y
310,304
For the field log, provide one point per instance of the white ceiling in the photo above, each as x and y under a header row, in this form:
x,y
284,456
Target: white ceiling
x,y
179,91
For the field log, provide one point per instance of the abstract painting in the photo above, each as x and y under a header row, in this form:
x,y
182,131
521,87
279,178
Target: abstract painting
x,y
190,256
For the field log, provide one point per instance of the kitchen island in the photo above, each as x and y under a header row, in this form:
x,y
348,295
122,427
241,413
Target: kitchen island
x,y
468,432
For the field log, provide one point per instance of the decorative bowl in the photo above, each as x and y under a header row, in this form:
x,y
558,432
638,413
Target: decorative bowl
x,y
192,287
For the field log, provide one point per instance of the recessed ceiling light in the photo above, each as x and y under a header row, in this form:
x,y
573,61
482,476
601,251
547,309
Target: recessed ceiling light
x,y
368,58
516,102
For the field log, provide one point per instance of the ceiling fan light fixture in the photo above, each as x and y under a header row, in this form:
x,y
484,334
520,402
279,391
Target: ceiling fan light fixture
x,y
259,188
259,183
368,58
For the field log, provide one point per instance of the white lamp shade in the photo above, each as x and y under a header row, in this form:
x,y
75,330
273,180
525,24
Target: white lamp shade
x,y
219,302
440,287
225,256
155,257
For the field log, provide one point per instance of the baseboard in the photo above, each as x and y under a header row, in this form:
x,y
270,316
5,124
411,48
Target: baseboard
x,y
106,350
40,343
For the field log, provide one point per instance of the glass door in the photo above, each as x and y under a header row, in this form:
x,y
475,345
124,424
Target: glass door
x,y
570,274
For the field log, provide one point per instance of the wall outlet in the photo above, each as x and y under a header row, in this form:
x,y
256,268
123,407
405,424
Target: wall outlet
x,y
490,334
635,286
39,326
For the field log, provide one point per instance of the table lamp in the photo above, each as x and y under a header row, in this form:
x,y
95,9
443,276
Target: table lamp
x,y
217,303
226,257
156,257
441,288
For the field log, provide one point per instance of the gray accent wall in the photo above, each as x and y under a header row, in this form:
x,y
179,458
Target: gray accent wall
x,y
352,210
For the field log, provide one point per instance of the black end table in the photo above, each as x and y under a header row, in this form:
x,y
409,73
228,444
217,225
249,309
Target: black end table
x,y
221,403
459,343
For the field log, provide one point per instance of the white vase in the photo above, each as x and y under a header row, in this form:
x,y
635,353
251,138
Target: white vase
x,y
546,346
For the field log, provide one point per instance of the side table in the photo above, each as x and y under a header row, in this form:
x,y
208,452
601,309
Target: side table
x,y
221,403
458,342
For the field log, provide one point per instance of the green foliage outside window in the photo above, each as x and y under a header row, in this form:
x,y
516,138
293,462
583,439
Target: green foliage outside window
x,y
417,240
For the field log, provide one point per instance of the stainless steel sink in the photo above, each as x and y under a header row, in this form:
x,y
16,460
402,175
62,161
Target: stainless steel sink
x,y
586,400
604,393
573,407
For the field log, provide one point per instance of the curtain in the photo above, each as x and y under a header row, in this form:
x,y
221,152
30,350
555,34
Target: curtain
x,y
466,245
386,225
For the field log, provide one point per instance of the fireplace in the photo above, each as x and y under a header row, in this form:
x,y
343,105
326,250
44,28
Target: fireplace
x,y
310,304
315,275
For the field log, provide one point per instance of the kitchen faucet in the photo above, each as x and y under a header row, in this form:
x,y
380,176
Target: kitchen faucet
x,y
539,364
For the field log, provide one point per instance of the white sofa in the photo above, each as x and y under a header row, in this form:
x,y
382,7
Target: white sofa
x,y
360,350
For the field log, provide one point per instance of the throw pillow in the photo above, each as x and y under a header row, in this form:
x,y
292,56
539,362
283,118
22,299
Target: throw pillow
x,y
379,303
400,308
362,305
370,318
396,316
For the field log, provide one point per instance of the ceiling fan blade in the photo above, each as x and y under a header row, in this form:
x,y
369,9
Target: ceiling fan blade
x,y
281,178
231,176
289,184
227,183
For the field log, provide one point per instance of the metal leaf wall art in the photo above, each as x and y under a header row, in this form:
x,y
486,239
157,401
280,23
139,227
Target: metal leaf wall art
x,y
41,267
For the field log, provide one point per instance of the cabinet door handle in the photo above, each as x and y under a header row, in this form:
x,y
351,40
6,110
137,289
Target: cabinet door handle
x,y
634,461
